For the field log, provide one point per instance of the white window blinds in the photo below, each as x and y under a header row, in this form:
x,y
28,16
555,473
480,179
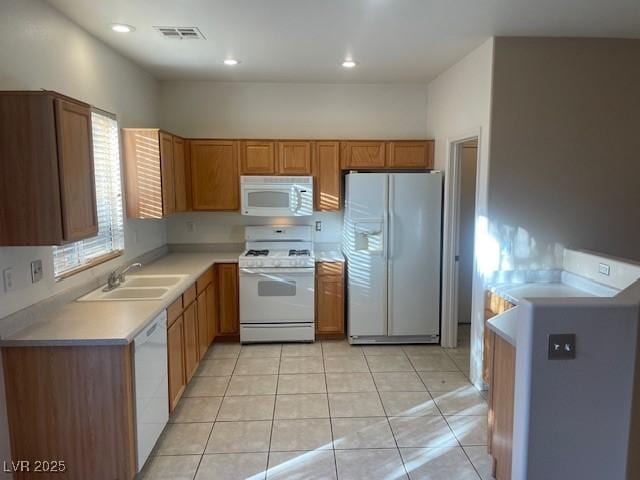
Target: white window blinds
x,y
110,239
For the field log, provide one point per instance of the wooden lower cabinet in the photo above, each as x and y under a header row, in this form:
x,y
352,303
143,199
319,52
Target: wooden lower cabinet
x,y
212,312
228,325
175,353
501,402
191,341
329,300
74,404
494,305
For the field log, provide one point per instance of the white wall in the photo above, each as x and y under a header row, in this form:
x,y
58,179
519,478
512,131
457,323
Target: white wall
x,y
43,49
282,110
458,105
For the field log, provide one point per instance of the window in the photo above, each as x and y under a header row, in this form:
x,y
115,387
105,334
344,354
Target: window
x,y
109,242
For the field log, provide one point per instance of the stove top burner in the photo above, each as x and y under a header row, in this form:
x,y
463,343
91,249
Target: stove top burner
x,y
257,253
298,253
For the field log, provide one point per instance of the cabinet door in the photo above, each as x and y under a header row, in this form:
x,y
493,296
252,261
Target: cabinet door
x,y
175,351
215,182
191,348
76,170
212,312
362,154
228,317
257,158
167,174
180,175
294,158
410,154
203,327
330,304
327,177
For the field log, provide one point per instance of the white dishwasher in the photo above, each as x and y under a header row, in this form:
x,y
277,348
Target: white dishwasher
x,y
151,384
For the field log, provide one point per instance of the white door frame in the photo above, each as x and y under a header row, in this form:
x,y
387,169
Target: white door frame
x,y
449,335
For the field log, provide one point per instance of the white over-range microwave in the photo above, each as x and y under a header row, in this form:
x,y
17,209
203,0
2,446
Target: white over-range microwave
x,y
277,196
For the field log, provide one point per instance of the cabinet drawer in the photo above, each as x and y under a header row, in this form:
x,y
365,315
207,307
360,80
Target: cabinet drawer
x,y
189,296
174,311
329,268
205,279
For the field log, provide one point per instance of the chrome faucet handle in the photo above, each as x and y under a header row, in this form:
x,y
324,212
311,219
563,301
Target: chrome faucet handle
x,y
122,277
112,281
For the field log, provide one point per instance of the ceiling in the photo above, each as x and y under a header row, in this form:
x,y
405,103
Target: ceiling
x,y
394,41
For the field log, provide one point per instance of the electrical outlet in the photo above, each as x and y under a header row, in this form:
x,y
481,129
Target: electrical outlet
x,y
36,271
562,346
9,284
318,225
191,227
604,269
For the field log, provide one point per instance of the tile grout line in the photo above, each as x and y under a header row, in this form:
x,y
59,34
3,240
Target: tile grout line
x,y
395,440
326,386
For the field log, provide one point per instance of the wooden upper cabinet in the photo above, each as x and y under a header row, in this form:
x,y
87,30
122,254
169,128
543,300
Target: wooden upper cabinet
x,y
47,179
410,154
152,184
327,176
215,183
257,157
181,175
77,180
362,154
167,170
294,158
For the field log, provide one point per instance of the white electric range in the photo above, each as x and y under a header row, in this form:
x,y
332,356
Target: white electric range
x,y
277,285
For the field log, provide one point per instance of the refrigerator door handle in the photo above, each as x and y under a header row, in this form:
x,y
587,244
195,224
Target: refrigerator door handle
x,y
390,233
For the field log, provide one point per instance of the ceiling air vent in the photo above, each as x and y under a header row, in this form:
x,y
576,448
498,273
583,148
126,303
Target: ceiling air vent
x,y
181,33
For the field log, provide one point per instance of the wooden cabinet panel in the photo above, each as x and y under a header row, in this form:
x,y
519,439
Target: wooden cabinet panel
x,y
362,154
257,157
174,311
294,158
77,181
212,313
167,174
191,347
181,175
204,280
155,171
228,308
189,296
501,402
410,154
327,178
329,299
175,352
72,403
203,321
215,182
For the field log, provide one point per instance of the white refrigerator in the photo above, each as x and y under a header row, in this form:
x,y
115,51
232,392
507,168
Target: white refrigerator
x,y
392,241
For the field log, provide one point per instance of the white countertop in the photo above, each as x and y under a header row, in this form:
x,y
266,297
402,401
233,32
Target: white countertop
x,y
506,324
329,256
516,292
115,322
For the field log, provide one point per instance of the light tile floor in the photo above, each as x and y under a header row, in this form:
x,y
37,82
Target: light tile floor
x,y
327,410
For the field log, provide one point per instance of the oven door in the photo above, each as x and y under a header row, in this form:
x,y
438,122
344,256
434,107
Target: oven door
x,y
284,200
277,295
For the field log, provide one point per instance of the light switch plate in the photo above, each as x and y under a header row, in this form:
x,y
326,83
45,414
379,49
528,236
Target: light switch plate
x,y
562,346
9,284
36,271
318,225
604,269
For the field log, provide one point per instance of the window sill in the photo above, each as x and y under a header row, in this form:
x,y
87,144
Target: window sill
x,y
93,263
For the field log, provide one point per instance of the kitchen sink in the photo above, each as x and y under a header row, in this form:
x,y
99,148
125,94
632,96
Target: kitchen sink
x,y
152,280
126,293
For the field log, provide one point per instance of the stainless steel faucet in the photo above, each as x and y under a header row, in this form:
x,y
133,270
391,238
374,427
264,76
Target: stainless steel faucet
x,y
116,278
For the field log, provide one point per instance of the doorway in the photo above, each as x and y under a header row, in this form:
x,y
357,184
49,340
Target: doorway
x,y
461,193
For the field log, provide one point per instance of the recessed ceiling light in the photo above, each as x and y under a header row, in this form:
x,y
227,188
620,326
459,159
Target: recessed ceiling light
x,y
349,64
231,62
122,28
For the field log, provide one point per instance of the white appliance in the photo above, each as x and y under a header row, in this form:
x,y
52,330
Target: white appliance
x,y
392,241
151,384
277,285
277,196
